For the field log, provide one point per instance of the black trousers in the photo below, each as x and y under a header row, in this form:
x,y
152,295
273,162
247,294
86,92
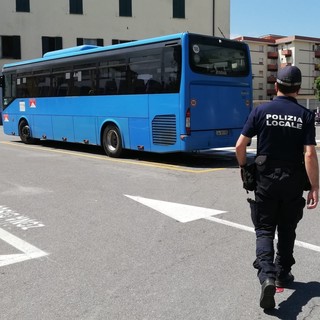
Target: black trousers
x,y
278,206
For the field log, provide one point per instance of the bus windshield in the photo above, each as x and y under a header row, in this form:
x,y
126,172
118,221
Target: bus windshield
x,y
212,56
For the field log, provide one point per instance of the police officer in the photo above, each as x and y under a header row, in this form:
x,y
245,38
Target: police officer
x,y
286,161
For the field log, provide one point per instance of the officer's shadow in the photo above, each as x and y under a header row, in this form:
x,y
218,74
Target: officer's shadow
x,y
290,309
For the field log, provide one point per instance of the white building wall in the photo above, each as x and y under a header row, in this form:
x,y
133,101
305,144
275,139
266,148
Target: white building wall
x,y
304,58
100,19
259,62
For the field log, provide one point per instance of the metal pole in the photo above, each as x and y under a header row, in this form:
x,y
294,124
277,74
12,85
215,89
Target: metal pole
x,y
213,17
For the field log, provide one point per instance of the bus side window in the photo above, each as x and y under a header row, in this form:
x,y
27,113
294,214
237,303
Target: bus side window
x,y
9,89
112,76
172,69
32,85
84,80
44,85
146,71
61,84
22,89
110,86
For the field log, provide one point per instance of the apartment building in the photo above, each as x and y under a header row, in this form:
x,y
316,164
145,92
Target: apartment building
x,y
271,52
30,28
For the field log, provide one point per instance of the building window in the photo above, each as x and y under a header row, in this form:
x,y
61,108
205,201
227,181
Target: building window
x,y
22,5
118,41
125,8
51,44
76,7
93,42
10,47
179,9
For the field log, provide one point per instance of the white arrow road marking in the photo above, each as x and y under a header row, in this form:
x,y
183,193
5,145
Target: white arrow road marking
x,y
180,212
29,251
186,213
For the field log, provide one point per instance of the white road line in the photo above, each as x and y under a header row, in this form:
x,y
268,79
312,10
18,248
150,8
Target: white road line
x,y
249,229
29,251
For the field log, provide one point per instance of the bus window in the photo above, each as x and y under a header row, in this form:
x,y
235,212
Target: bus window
x,y
112,76
218,58
84,80
62,82
9,92
44,85
22,86
172,69
145,69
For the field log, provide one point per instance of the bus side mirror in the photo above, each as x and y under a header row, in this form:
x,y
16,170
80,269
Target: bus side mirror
x,y
1,81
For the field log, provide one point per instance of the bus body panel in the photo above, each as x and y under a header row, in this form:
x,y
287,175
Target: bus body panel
x,y
139,130
202,140
164,115
85,129
218,113
218,105
42,127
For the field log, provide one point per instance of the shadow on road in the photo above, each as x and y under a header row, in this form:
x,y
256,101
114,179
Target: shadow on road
x,y
213,158
292,307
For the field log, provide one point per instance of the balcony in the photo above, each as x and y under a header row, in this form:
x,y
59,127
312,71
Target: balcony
x,y
317,54
271,79
271,92
273,55
272,67
286,53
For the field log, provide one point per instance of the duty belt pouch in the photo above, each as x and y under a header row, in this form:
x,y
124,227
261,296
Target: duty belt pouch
x,y
261,162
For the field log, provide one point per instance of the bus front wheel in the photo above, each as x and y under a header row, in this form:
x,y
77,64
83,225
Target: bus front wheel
x,y
111,140
25,132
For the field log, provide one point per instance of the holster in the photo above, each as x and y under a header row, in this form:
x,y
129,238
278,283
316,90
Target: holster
x,y
248,176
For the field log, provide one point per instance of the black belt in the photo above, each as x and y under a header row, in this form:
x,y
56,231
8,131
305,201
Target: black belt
x,y
284,164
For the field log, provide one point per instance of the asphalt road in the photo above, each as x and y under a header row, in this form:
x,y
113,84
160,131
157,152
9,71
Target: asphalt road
x,y
84,236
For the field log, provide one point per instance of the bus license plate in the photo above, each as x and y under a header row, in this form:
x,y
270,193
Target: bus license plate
x,y
222,132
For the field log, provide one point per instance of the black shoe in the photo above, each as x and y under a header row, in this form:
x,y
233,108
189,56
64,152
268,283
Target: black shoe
x,y
268,290
284,280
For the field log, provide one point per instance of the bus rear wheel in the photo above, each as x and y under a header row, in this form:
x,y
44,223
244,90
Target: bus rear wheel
x,y
112,143
25,132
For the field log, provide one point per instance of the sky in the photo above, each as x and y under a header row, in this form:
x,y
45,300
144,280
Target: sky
x,y
255,18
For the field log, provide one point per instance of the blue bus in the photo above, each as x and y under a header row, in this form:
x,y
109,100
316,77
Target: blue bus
x,y
177,93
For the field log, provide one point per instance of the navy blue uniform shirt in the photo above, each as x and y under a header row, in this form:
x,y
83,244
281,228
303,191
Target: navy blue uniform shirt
x,y
282,127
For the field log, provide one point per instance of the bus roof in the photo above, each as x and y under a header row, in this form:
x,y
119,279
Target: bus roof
x,y
88,49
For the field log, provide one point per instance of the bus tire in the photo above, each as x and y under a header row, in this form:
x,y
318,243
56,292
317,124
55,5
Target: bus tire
x,y
25,132
112,142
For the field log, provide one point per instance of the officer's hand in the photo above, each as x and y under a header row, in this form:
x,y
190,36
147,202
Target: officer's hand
x,y
313,198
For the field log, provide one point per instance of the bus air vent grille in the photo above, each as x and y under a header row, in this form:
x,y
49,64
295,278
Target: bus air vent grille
x,y
164,130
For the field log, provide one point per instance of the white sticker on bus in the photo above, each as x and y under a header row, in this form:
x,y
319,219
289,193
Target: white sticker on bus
x,y
22,106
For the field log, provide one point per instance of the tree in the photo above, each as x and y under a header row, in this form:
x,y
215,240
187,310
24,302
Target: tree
x,y
317,87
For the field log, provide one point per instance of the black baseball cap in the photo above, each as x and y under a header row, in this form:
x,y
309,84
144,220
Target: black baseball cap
x,y
289,76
